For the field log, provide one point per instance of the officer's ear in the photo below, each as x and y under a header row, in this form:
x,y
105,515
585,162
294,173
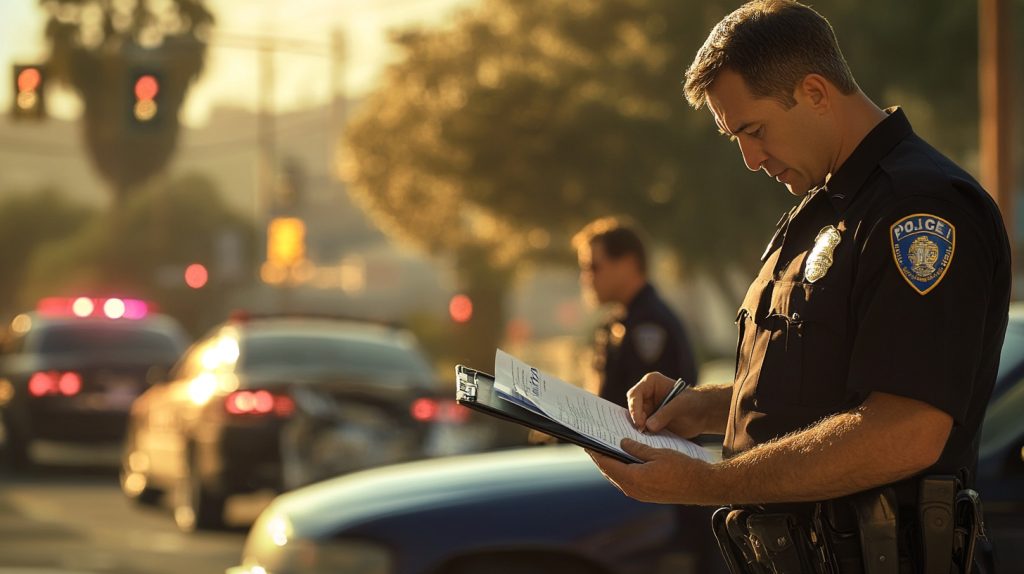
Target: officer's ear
x,y
814,91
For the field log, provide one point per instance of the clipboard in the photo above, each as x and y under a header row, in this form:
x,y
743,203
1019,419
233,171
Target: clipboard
x,y
475,390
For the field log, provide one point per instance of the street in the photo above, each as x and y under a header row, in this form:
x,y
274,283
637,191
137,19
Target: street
x,y
68,515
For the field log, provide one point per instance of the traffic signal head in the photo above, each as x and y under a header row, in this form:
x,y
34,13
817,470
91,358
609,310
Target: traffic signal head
x,y
29,101
286,241
145,97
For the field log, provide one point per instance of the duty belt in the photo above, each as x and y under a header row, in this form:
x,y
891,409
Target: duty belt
x,y
859,533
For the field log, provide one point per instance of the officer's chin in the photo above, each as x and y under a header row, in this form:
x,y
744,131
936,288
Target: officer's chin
x,y
797,190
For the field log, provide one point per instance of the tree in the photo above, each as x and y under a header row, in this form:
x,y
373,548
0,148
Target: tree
x,y
143,250
27,222
99,48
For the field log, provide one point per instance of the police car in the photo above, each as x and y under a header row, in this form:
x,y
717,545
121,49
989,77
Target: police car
x,y
70,370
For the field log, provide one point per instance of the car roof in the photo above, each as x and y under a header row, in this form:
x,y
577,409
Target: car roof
x,y
150,321
339,328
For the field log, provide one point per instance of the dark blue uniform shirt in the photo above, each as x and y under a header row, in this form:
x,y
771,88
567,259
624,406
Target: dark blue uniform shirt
x,y
648,338
894,277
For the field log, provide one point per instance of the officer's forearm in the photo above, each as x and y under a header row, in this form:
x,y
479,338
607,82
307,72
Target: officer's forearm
x,y
714,404
887,439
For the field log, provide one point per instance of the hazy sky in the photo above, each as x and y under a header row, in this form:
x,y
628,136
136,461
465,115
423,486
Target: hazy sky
x,y
232,73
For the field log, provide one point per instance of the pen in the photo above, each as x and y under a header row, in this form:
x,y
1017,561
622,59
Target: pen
x,y
677,388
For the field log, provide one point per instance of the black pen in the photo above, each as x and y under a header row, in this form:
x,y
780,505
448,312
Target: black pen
x,y
677,388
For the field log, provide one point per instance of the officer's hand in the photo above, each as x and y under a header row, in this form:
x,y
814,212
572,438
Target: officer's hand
x,y
666,476
681,415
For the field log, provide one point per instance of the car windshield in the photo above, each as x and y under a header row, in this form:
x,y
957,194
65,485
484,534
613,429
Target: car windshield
x,y
97,339
326,355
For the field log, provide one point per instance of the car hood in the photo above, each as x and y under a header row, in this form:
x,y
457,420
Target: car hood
x,y
325,508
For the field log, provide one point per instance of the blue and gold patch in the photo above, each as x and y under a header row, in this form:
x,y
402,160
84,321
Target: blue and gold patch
x,y
923,245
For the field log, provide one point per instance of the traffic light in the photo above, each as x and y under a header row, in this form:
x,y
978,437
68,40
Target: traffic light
x,y
146,99
286,242
29,100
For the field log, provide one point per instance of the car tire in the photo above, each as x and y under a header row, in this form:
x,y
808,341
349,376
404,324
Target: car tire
x,y
197,507
520,563
145,495
14,454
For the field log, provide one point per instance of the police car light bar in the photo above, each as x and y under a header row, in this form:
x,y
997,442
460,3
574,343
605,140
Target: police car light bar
x,y
85,307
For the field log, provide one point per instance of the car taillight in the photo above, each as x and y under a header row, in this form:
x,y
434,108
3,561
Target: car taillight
x,y
437,411
68,383
259,403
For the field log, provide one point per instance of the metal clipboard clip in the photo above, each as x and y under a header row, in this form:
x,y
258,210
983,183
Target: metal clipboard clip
x,y
467,385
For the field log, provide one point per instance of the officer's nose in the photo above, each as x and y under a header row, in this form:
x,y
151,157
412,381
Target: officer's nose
x,y
753,154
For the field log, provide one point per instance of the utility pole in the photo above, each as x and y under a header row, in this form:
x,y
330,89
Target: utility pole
x,y
995,81
337,110
265,177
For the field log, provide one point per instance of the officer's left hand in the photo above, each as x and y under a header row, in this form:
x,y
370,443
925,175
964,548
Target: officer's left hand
x,y
666,476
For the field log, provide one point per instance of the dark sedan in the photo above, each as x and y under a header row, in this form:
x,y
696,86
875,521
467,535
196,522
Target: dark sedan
x,y
70,370
548,510
279,402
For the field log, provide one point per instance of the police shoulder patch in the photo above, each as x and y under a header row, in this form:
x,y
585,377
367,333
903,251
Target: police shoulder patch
x,y
923,245
649,340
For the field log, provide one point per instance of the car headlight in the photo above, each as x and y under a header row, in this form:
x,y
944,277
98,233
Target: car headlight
x,y
273,548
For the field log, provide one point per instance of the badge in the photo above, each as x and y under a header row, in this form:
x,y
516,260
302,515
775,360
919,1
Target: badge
x,y
650,341
922,245
820,258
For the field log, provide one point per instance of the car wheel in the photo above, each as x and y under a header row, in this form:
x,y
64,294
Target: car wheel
x,y
518,563
14,454
135,483
197,507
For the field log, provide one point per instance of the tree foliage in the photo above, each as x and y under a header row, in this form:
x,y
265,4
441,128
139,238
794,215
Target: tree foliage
x,y
27,222
97,45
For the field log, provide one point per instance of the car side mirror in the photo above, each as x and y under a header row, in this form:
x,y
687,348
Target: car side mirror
x,y
157,374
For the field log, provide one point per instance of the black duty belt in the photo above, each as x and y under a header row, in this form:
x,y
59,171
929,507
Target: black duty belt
x,y
869,532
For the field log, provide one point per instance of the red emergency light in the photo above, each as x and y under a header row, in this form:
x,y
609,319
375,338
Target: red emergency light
x,y
94,307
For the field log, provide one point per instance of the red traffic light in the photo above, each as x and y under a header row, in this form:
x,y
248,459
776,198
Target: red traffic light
x,y
28,92
29,79
146,87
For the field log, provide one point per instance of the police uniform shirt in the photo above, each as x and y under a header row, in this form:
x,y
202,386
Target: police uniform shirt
x,y
894,277
648,338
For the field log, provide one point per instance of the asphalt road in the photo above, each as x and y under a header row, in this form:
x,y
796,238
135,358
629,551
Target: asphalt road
x,y
67,515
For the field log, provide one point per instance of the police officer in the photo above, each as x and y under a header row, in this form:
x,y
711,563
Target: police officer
x,y
643,335
869,341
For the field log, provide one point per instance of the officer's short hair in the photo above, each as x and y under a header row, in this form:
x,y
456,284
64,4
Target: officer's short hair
x,y
772,45
616,237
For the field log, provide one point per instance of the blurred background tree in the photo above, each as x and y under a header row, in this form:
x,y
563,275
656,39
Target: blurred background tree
x,y
170,225
27,222
101,48
495,139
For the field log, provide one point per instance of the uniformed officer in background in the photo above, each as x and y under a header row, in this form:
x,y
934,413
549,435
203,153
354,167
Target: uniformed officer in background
x,y
869,341
643,334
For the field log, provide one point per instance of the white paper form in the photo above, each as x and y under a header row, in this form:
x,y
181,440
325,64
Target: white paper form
x,y
579,410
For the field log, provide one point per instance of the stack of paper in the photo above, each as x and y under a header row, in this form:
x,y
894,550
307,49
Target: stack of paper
x,y
593,417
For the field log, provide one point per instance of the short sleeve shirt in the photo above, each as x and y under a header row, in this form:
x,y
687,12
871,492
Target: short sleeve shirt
x,y
894,278
650,337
